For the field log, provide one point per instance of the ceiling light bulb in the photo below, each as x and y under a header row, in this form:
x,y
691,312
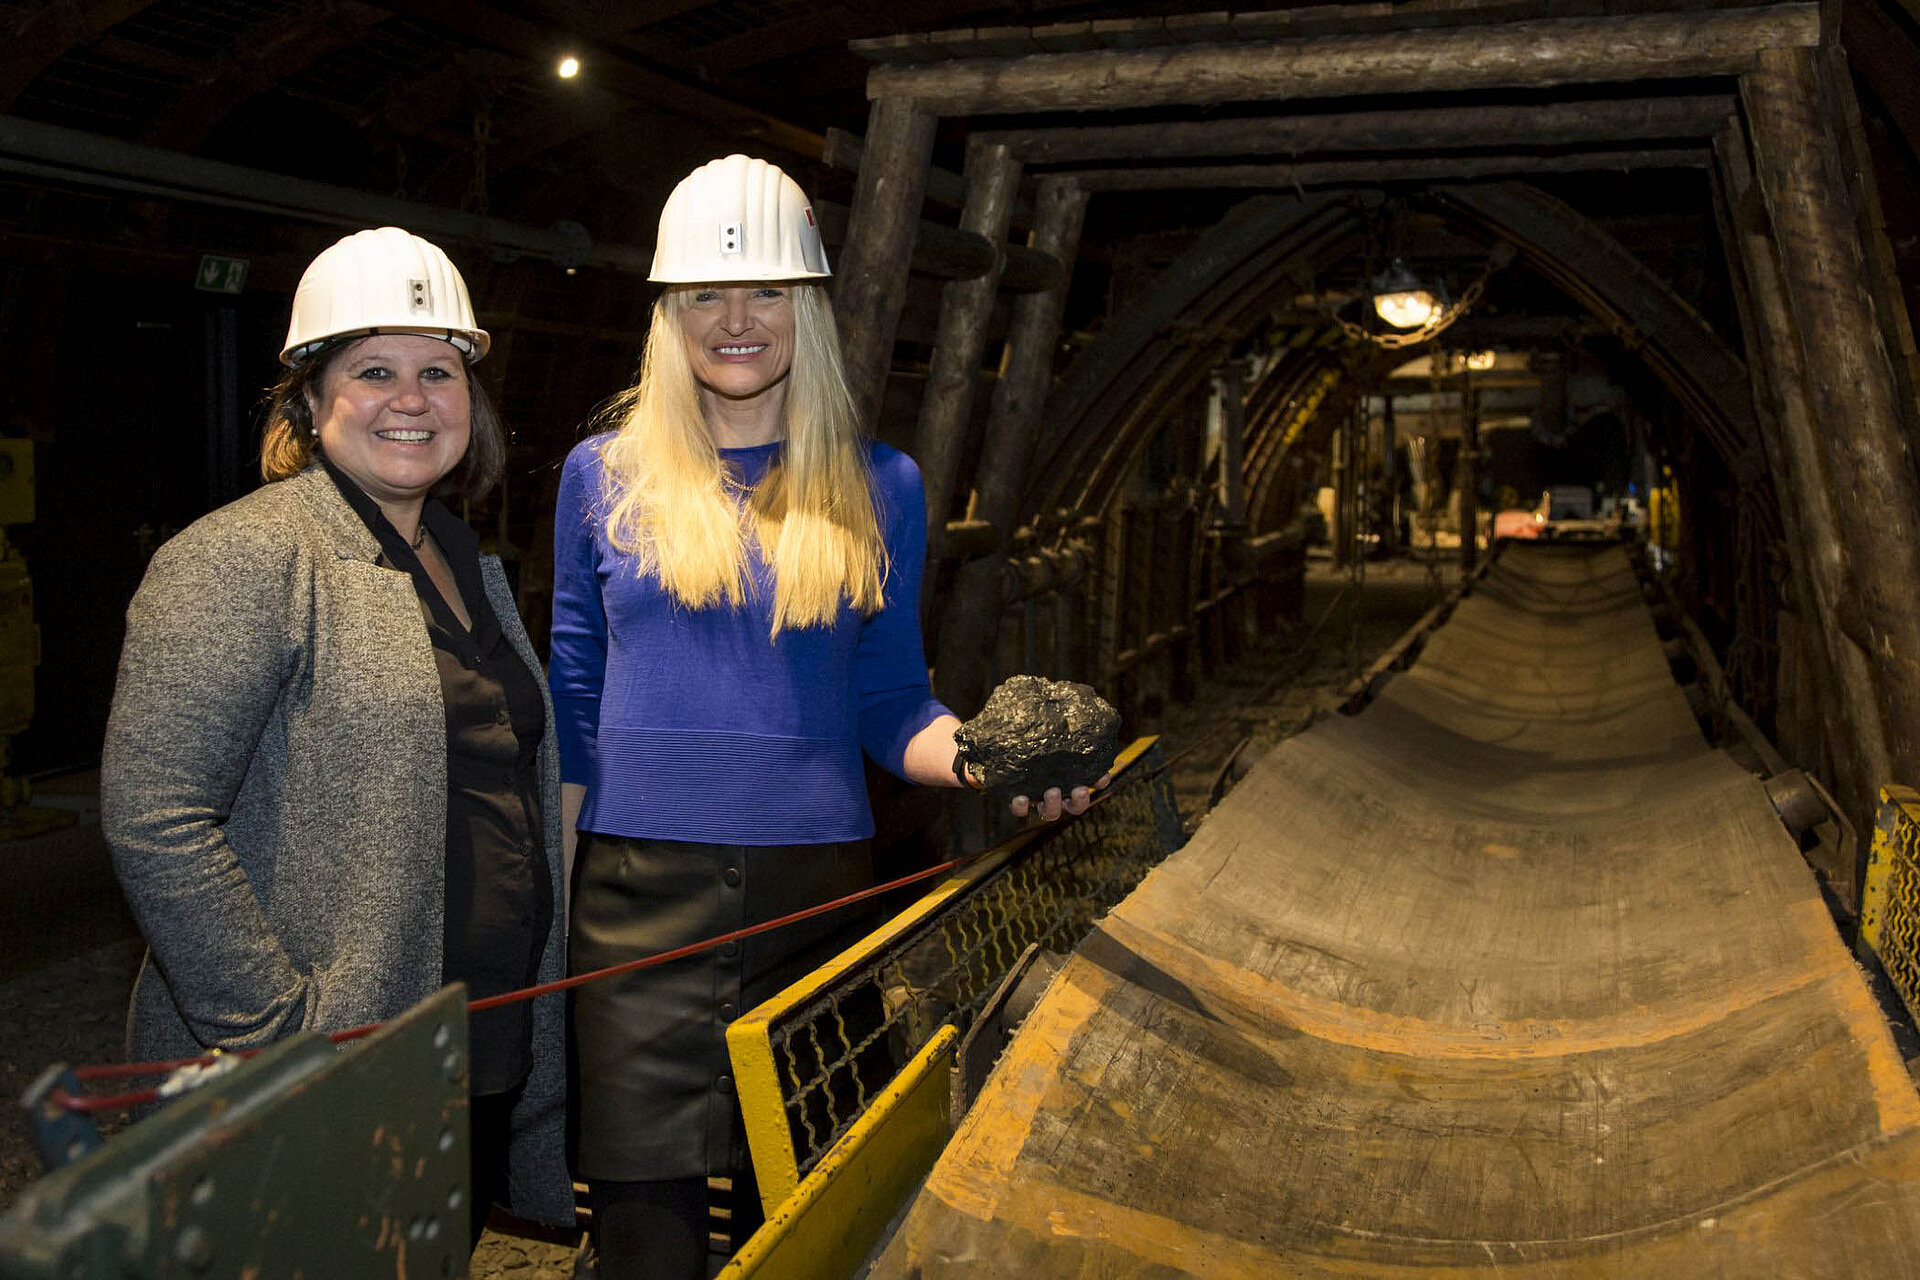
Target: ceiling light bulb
x,y
1402,299
569,67
1406,309
1480,361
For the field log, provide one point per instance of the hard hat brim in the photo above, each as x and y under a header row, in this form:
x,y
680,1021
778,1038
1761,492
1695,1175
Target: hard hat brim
x,y
785,277
473,344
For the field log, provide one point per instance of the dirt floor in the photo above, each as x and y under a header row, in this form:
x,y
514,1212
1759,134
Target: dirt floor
x,y
63,990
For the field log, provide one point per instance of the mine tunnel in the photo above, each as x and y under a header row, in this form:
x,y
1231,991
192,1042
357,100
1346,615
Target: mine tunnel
x,y
1574,932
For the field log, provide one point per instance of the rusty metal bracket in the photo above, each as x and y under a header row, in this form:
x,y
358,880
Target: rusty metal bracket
x,y
996,1022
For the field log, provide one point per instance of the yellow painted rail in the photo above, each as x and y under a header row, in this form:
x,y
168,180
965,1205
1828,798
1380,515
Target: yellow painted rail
x,y
812,1060
1890,905
836,1214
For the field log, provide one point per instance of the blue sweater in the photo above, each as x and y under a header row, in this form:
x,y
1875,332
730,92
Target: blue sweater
x,y
690,724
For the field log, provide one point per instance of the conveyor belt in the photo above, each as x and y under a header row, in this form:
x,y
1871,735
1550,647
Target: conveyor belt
x,y
1511,973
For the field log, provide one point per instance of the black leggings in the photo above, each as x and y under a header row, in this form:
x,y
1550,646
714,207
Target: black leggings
x,y
658,1230
490,1131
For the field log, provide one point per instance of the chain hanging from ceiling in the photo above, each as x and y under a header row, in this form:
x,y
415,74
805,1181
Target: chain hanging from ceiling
x,y
1427,332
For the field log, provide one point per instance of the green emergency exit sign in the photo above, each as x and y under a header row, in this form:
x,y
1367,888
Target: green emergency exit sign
x,y
221,275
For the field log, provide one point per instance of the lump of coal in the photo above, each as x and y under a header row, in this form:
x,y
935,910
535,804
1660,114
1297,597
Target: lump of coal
x,y
1035,733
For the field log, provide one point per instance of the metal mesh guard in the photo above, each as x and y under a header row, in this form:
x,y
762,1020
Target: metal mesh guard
x,y
834,1051
1890,912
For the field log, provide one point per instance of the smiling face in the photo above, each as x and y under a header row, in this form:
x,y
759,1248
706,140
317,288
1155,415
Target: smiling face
x,y
740,341
395,413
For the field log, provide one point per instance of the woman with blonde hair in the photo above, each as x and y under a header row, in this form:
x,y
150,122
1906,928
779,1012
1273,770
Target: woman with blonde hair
x,y
736,619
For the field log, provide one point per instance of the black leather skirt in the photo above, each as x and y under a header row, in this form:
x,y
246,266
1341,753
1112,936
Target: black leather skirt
x,y
656,1097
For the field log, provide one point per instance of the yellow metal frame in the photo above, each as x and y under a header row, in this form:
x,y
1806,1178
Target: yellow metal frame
x,y
750,1038
1890,903
833,1218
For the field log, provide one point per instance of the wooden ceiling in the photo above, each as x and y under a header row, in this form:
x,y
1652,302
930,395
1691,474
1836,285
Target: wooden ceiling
x,y
455,104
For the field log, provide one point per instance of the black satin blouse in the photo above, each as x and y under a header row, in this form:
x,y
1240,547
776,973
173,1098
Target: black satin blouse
x,y
499,901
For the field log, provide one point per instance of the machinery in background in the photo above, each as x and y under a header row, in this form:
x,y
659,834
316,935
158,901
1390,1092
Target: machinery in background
x,y
19,647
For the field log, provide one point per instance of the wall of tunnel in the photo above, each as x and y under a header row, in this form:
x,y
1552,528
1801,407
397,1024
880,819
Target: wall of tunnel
x,y
1083,525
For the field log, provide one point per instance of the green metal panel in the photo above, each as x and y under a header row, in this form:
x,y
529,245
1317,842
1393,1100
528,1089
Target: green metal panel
x,y
306,1161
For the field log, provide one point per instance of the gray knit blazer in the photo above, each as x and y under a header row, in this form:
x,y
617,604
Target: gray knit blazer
x,y
273,787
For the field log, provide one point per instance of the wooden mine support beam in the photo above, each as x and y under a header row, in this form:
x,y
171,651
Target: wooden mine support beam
x,y
1597,271
1541,125
844,151
1883,272
1850,388
871,283
1340,530
954,253
1345,173
1468,472
1230,386
1803,720
972,617
1533,54
946,407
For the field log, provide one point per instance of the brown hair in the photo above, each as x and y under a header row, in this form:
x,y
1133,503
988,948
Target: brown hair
x,y
290,444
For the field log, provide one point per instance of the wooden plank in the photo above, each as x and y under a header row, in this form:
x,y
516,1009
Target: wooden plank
x,y
1510,974
1505,55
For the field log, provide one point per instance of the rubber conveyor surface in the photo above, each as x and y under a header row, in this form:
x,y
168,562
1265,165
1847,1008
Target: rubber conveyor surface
x,y
1510,973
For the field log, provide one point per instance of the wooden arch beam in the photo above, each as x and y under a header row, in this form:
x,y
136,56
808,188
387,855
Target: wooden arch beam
x,y
1106,405
1601,274
1111,398
1532,54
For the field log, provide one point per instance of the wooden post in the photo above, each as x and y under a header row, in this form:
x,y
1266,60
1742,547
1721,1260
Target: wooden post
x,y
1390,479
1468,471
972,615
1230,386
946,408
1850,386
1790,728
1340,534
1847,705
871,279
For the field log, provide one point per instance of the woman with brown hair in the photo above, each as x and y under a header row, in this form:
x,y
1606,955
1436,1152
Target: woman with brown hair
x,y
329,780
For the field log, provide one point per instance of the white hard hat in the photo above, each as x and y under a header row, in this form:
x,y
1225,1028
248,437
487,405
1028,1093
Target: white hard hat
x,y
382,281
737,219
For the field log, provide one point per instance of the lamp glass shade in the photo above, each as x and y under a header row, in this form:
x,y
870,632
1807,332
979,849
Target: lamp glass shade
x,y
1406,308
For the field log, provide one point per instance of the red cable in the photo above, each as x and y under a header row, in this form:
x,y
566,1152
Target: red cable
x,y
120,1101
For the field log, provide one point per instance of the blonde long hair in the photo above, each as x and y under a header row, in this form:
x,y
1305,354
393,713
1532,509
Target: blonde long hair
x,y
811,516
